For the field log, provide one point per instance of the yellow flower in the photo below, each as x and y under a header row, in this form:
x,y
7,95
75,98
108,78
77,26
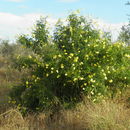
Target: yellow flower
x,y
75,79
38,78
111,81
113,69
99,66
76,59
127,55
83,88
81,63
93,81
55,56
59,55
47,75
81,78
27,82
95,64
86,56
86,40
58,76
85,84
57,71
62,66
71,54
97,52
46,66
105,78
29,57
35,80
92,92
66,74
70,57
73,68
90,76
104,74
94,74
109,72
102,70
33,76
52,68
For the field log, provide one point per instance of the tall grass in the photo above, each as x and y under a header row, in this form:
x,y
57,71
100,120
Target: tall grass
x,y
107,115
9,75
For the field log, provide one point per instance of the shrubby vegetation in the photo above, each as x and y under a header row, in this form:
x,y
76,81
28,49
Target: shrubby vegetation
x,y
77,67
77,61
125,34
9,75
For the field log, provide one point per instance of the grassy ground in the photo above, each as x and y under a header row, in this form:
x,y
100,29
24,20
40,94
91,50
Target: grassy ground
x,y
106,115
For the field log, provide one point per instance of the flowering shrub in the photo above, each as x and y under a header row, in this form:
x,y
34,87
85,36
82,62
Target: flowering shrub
x,y
77,60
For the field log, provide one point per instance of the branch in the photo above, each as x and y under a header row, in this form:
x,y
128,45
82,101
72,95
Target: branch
x,y
128,3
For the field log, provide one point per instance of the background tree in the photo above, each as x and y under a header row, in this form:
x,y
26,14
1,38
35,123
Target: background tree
x,y
124,35
128,3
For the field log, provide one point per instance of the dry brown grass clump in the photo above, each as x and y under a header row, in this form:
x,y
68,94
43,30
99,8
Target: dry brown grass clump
x,y
107,115
12,120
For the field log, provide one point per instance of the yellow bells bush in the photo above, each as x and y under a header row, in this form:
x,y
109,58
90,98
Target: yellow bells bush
x,y
77,61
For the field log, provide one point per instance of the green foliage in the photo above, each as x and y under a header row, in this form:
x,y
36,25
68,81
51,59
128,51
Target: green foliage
x,y
77,61
9,75
124,35
75,35
6,49
39,38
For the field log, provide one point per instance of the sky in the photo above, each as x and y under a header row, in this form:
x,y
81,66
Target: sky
x,y
19,16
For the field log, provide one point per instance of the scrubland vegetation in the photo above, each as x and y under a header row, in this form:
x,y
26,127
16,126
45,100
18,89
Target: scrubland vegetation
x,y
75,79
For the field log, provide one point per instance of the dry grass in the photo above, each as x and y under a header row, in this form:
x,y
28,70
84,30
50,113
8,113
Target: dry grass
x,y
9,77
107,115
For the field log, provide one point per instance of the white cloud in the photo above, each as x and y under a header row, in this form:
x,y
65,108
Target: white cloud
x,y
23,7
68,1
11,25
113,28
